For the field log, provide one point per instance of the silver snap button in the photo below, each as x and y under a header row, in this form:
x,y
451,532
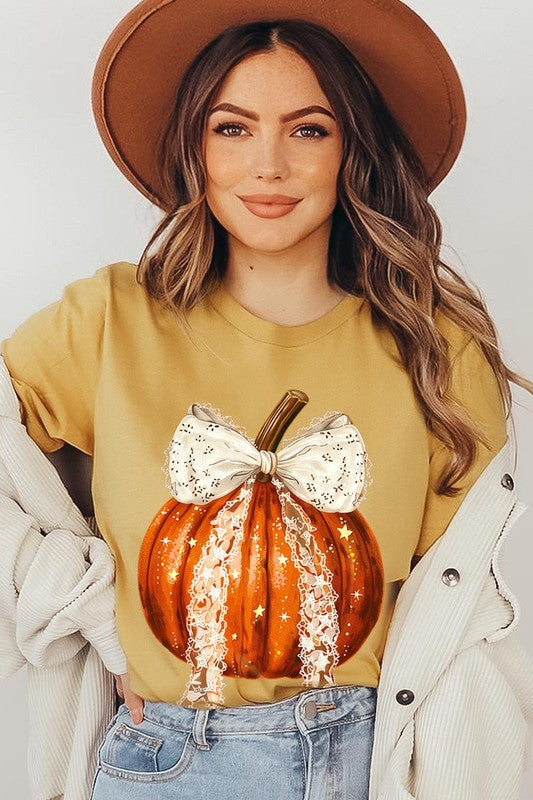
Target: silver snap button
x,y
405,697
507,481
450,577
310,711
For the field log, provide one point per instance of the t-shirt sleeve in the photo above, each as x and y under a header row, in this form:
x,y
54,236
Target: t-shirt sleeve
x,y
54,359
474,385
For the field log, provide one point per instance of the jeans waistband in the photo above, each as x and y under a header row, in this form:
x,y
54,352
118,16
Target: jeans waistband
x,y
309,709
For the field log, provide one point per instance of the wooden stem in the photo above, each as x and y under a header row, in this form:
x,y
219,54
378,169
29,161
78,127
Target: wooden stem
x,y
277,423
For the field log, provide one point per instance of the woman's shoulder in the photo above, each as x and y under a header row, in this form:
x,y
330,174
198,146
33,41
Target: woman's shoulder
x,y
116,288
118,275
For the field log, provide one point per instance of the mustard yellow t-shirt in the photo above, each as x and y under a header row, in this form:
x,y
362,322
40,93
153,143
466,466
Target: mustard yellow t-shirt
x,y
110,371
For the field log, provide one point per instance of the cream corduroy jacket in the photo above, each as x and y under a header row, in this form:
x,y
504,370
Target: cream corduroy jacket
x,y
454,716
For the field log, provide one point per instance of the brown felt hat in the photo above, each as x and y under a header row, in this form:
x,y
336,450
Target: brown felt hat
x,y
141,64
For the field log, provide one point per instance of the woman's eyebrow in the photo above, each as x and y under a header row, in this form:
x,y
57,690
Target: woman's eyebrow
x,y
300,112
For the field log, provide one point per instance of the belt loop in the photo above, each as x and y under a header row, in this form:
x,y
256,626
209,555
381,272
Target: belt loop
x,y
198,728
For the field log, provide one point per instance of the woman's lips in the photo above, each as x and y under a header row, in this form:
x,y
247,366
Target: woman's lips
x,y
270,210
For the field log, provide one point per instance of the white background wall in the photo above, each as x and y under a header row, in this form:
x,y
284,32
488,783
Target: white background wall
x,y
66,210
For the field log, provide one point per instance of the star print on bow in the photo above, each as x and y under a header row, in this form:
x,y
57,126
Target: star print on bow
x,y
327,466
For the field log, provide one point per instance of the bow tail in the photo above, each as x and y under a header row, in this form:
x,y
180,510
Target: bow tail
x,y
206,612
318,625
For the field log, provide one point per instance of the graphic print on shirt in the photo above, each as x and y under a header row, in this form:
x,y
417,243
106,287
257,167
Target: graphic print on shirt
x,y
260,564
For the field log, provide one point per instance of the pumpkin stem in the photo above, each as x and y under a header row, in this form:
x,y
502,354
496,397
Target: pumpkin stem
x,y
277,423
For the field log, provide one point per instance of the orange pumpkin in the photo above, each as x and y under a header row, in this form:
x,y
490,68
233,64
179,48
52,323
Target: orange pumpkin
x,y
255,590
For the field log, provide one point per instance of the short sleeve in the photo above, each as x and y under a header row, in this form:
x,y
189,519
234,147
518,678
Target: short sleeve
x,y
54,359
474,385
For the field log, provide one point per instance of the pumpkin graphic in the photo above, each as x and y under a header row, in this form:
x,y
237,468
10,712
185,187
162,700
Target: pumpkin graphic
x,y
255,580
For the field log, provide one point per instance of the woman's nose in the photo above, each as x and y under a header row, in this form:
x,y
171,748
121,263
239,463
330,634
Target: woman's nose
x,y
270,160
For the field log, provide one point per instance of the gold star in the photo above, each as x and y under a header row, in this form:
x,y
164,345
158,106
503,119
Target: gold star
x,y
344,532
172,575
283,559
356,594
191,541
233,635
259,610
234,574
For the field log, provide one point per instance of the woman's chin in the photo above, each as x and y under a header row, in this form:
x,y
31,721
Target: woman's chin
x,y
268,242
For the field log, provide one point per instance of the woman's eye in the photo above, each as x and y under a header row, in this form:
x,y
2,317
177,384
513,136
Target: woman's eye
x,y
225,126
315,129
233,130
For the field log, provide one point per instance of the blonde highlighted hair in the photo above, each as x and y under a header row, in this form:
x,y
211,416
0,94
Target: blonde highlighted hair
x,y
385,239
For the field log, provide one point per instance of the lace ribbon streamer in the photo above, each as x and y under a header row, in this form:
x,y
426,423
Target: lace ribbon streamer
x,y
318,625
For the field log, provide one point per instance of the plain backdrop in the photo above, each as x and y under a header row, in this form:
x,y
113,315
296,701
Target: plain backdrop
x,y
66,210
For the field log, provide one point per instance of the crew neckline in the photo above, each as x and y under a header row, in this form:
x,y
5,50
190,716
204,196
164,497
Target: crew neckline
x,y
264,330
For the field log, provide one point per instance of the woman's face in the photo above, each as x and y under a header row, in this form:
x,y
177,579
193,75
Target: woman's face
x,y
267,143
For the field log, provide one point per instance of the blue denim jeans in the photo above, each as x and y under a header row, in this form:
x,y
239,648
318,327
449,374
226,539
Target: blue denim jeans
x,y
316,745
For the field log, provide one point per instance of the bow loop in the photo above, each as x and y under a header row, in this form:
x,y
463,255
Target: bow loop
x,y
326,466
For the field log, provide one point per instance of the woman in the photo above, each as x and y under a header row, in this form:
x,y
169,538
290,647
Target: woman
x,y
296,272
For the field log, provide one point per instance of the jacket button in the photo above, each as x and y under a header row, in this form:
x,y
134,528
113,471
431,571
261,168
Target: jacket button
x,y
507,481
310,710
450,577
405,697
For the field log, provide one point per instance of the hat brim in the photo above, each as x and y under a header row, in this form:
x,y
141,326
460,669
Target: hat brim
x,y
144,57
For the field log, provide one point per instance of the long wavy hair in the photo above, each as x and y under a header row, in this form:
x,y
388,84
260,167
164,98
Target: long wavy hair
x,y
385,236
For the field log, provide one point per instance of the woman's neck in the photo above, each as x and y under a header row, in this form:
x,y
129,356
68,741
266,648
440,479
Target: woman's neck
x,y
288,287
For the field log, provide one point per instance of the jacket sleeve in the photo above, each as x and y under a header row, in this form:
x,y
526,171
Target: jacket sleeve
x,y
56,577
473,385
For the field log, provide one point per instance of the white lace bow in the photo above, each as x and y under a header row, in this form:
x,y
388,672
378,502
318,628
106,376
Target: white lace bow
x,y
326,466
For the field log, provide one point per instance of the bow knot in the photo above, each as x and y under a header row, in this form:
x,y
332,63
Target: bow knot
x,y
269,461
